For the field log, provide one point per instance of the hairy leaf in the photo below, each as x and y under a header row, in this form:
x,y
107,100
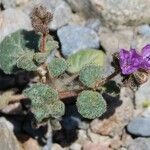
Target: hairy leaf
x,y
26,61
45,101
91,104
82,58
57,67
90,75
14,46
40,58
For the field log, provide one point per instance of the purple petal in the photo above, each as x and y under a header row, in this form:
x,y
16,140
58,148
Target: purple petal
x,y
130,61
146,56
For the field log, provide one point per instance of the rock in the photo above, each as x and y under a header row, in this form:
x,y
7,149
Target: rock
x,y
74,38
140,144
7,3
61,14
12,20
122,12
31,144
91,146
146,112
12,3
13,109
8,140
83,7
139,126
60,9
114,124
121,38
56,147
144,30
75,146
82,137
93,24
142,95
96,138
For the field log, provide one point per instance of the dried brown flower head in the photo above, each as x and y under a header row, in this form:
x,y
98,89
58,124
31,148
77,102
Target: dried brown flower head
x,y
40,19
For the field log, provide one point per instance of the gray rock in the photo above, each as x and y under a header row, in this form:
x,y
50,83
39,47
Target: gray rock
x,y
8,140
12,20
82,7
7,3
75,146
12,3
74,38
93,24
121,12
121,38
139,126
140,144
144,30
142,95
56,147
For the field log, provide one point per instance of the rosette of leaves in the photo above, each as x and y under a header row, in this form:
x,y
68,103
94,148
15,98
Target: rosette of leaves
x,y
57,66
45,102
19,50
90,75
91,104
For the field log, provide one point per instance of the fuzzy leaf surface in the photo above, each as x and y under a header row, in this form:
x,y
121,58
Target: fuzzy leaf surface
x,y
44,101
91,104
14,46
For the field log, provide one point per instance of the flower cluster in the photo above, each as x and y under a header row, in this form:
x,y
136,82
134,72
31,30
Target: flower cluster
x,y
131,61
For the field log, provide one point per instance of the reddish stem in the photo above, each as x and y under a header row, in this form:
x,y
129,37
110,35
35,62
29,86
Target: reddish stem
x,y
43,43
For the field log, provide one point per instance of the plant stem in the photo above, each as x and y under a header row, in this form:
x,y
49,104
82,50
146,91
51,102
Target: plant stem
x,y
74,93
43,43
105,80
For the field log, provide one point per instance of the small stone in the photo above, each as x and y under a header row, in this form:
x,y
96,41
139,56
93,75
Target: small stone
x,y
142,95
122,12
56,147
74,38
31,144
82,136
13,109
96,138
139,126
8,140
92,146
120,38
12,20
140,144
93,24
7,3
144,30
146,112
75,146
81,7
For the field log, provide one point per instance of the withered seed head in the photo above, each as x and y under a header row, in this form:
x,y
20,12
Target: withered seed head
x,y
40,19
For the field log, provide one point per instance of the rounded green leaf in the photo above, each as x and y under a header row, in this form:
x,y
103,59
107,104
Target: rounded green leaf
x,y
85,57
14,46
57,66
26,62
45,102
90,75
91,104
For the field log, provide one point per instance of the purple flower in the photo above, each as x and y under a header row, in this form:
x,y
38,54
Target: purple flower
x,y
146,57
130,61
